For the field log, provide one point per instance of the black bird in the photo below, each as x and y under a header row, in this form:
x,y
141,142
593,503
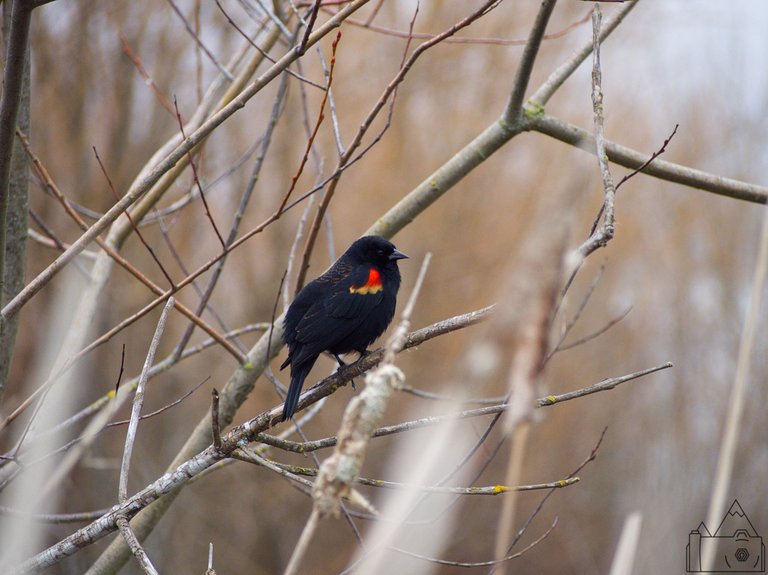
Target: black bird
x,y
342,311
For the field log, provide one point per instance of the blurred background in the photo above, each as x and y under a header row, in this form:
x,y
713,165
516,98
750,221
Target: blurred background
x,y
681,263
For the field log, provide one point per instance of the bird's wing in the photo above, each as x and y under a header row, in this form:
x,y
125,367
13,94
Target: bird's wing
x,y
330,320
356,294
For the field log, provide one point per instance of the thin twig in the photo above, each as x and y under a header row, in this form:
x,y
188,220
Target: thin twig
x,y
597,333
139,65
636,171
433,489
604,385
467,40
572,322
195,176
66,204
655,155
136,229
592,456
133,543
302,47
294,250
90,410
138,401
215,428
55,518
177,256
318,123
226,73
602,235
311,446
481,563
263,52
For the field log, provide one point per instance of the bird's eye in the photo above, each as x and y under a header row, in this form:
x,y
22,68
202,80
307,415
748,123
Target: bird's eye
x,y
380,252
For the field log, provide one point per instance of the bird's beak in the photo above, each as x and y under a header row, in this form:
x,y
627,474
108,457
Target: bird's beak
x,y
397,255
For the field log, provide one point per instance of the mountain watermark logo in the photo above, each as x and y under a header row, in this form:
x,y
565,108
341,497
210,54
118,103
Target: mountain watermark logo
x,y
737,546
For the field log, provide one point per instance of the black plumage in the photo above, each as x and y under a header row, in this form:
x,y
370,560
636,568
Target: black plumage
x,y
342,311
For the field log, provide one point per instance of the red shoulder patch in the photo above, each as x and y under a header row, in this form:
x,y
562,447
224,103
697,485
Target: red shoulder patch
x,y
371,286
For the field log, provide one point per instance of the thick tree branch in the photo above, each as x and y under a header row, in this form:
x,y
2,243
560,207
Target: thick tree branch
x,y
629,158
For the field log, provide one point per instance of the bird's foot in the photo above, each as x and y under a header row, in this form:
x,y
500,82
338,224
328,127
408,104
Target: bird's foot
x,y
343,364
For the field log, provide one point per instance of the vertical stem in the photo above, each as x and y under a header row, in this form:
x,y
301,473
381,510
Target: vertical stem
x,y
13,174
730,439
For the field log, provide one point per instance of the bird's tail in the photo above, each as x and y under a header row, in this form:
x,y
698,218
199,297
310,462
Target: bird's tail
x,y
298,375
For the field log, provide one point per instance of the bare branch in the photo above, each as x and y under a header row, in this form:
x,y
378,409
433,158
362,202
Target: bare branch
x,y
602,235
633,159
302,47
564,71
655,155
442,489
195,177
606,384
139,65
215,428
136,229
226,73
136,548
138,401
463,39
482,563
514,107
56,518
50,186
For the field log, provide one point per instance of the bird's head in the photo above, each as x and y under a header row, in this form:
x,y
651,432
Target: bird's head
x,y
374,250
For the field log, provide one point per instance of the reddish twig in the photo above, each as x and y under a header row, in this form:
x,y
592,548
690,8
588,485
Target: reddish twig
x,y
133,223
466,40
139,65
195,177
320,118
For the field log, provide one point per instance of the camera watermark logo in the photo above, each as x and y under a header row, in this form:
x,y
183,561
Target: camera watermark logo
x,y
738,548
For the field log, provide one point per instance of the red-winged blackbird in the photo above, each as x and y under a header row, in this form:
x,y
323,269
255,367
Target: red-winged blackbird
x,y
342,311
